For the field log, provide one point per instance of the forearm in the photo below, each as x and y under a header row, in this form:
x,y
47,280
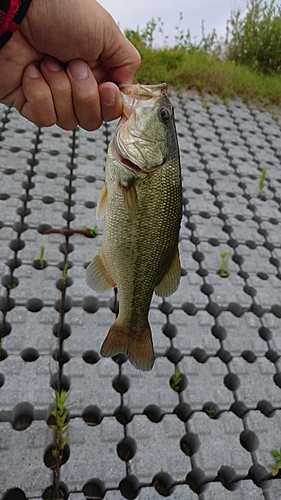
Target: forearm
x,y
12,13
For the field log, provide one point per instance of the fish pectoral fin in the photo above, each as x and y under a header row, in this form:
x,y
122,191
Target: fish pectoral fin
x,y
130,198
102,203
135,342
171,280
97,275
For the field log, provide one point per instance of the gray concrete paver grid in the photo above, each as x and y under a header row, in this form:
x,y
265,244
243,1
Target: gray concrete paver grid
x,y
130,434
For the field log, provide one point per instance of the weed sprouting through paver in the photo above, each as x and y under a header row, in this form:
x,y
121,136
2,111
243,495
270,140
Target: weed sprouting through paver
x,y
175,380
41,256
275,469
261,195
223,272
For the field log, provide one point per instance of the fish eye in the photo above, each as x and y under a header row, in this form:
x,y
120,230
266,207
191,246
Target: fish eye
x,y
164,114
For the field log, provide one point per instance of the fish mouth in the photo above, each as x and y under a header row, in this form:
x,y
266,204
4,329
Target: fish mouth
x,y
130,164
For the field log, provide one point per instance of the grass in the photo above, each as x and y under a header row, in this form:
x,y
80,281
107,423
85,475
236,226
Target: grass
x,y
236,66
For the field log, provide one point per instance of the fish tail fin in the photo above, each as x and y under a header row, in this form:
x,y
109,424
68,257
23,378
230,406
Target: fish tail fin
x,y
136,343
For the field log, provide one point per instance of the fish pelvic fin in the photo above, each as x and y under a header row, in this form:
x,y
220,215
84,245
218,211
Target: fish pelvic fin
x,y
171,280
136,343
130,198
97,275
102,203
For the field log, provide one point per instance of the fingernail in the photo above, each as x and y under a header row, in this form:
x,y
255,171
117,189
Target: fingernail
x,y
32,71
52,64
108,96
78,69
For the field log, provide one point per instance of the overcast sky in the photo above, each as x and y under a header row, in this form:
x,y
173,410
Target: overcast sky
x,y
132,13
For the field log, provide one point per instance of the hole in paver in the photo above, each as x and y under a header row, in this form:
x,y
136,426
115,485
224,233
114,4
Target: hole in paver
x,y
205,215
2,380
51,175
272,355
173,354
224,355
123,414
92,415
178,382
91,357
48,200
189,308
63,283
120,358
63,305
199,354
219,332
239,408
39,264
94,488
126,448
250,290
196,480
9,171
266,408
262,276
232,243
14,494
239,217
207,289
69,216
170,330
198,256
236,309
6,305
227,477
214,242
66,248
202,272
129,487
5,328
163,483
153,413
277,379
249,356
190,444
90,178
34,304
9,281
90,204
211,409
4,196
251,244
231,381
59,384
238,259
258,474
90,304
43,227
183,411
249,440
166,307
62,331
23,416
121,383
61,357
17,245
214,309
29,354
276,310
51,492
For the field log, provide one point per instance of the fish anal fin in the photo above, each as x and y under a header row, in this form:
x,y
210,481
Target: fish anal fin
x,y
136,343
102,203
97,275
171,280
130,198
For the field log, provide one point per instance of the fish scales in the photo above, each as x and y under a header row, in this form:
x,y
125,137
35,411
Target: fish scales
x,y
142,204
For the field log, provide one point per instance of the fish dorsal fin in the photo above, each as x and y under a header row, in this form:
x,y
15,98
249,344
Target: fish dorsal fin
x,y
171,280
97,275
130,198
102,203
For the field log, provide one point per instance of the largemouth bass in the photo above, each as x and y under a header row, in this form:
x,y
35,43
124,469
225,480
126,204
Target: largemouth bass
x,y
142,205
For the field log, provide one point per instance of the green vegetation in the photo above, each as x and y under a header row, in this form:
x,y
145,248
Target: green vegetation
x,y
246,63
275,469
61,423
210,412
175,380
93,232
41,256
223,272
261,183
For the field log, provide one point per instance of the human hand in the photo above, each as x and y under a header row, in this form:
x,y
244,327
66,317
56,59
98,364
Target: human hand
x,y
60,66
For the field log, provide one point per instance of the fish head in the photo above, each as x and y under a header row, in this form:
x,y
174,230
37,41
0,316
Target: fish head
x,y
145,136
